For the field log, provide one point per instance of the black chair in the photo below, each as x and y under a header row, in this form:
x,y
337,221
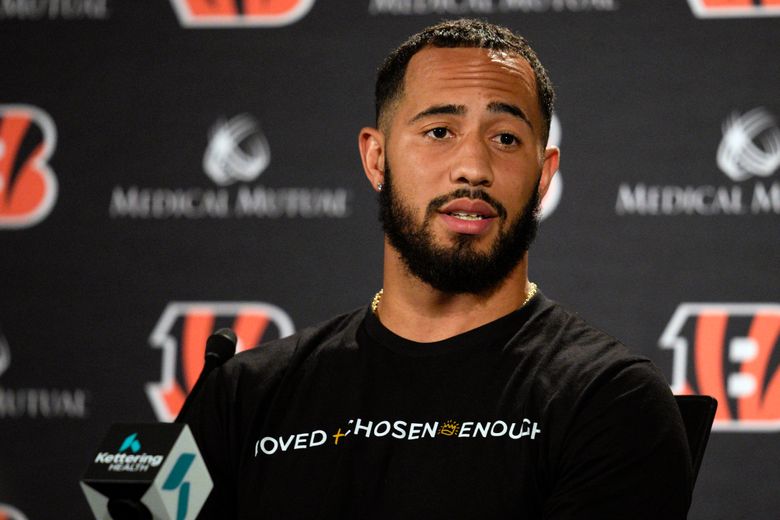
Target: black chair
x,y
698,412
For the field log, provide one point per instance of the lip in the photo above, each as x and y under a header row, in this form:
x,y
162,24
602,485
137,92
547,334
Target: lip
x,y
468,227
480,207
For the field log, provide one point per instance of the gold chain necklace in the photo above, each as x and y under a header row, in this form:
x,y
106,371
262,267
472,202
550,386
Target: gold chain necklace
x,y
378,297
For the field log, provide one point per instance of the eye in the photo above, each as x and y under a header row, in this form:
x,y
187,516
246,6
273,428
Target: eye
x,y
507,139
438,133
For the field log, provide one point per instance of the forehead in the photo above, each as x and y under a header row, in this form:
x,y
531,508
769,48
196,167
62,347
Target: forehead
x,y
455,75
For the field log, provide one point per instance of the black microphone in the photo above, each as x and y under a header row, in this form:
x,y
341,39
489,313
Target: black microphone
x,y
146,471
219,348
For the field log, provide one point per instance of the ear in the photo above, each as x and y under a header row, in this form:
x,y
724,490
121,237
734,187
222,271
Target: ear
x,y
372,152
552,156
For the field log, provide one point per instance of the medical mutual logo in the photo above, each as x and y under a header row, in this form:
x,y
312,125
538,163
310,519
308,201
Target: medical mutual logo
x,y
237,151
729,351
181,334
748,155
236,154
28,186
485,7
750,145
38,402
66,10
240,13
734,8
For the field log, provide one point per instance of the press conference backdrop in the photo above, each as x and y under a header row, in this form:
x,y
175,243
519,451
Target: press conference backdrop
x,y
170,167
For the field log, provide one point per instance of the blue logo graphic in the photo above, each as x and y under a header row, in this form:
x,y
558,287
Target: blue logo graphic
x,y
175,480
130,442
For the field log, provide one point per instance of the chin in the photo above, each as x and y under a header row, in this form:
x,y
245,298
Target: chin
x,y
481,243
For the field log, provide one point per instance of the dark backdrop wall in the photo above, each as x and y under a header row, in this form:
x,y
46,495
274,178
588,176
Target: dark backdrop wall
x,y
168,167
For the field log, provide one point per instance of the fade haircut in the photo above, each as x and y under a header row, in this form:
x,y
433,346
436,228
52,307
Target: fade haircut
x,y
467,33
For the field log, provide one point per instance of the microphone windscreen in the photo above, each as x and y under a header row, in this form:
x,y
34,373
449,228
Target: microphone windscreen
x,y
222,344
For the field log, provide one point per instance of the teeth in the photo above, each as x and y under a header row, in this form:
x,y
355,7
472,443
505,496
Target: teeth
x,y
466,216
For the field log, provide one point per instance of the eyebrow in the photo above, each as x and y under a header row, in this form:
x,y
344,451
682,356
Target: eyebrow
x,y
457,110
513,110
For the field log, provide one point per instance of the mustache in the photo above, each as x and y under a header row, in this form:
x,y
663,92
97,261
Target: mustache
x,y
465,193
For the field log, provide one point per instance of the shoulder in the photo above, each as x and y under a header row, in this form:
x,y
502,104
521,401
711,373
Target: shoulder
x,y
271,359
584,361
560,332
555,324
617,443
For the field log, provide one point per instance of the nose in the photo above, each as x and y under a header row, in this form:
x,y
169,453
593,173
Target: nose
x,y
471,162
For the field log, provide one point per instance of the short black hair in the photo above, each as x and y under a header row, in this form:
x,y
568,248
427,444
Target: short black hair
x,y
467,33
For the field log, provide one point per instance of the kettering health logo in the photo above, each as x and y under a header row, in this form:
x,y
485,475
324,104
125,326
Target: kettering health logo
x,y
175,481
127,459
236,154
38,403
130,443
749,150
240,13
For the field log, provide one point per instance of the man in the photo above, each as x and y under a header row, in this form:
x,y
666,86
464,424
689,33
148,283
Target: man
x,y
460,391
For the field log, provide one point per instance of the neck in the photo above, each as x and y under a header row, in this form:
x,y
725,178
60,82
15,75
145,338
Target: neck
x,y
416,311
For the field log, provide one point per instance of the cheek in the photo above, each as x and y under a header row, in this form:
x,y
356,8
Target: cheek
x,y
418,176
421,155
515,189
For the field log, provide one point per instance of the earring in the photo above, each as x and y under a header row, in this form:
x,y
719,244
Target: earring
x,y
379,186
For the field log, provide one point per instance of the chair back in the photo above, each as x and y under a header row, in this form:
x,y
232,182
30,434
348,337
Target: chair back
x,y
698,413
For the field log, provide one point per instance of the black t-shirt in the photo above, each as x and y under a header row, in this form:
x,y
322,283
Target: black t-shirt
x,y
535,415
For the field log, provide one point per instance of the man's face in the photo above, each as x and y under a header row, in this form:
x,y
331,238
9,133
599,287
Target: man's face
x,y
459,268
468,167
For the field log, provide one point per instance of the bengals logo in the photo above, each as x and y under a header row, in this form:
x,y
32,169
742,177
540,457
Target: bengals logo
x,y
553,195
9,512
182,331
731,352
28,187
240,13
734,8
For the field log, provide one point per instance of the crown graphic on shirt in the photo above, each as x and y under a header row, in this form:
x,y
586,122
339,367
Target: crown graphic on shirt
x,y
449,428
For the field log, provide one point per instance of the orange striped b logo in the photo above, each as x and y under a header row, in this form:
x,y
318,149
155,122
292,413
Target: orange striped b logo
x,y
28,187
734,8
240,13
181,333
729,351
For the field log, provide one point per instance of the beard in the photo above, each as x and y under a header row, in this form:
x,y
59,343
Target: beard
x,y
459,268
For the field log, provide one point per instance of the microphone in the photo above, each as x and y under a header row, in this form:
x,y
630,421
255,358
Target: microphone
x,y
154,471
219,348
145,472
